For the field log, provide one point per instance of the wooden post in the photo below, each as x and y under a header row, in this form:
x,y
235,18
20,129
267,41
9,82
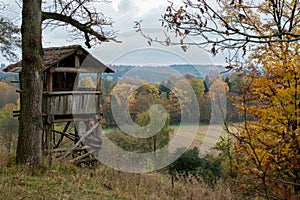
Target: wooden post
x,y
77,61
98,87
76,83
76,130
50,82
48,141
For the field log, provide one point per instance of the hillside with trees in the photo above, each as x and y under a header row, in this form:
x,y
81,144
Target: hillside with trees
x,y
257,156
158,89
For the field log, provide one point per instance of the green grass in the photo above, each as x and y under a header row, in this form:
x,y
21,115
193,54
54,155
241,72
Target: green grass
x,y
209,133
65,181
18,183
100,183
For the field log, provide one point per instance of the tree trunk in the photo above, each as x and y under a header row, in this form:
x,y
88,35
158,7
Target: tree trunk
x,y
29,149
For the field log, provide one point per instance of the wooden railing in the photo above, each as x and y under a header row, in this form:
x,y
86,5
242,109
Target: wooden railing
x,y
71,102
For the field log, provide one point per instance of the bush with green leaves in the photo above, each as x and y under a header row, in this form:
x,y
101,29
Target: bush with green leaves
x,y
190,164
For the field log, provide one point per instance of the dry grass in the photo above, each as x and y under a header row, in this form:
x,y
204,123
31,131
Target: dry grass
x,y
65,181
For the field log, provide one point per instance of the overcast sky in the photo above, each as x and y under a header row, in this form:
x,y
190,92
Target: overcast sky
x,y
134,49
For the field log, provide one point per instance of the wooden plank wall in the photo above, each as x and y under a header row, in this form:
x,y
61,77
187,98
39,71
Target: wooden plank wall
x,y
75,103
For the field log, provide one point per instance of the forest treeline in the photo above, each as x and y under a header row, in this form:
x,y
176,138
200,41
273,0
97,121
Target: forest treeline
x,y
8,88
9,102
147,95
163,93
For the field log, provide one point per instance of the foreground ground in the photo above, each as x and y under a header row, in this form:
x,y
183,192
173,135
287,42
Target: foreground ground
x,y
65,181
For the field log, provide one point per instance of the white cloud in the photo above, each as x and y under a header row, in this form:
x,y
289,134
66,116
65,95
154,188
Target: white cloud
x,y
127,6
124,13
134,48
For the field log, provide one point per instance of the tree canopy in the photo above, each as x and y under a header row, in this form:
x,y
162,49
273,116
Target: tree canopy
x,y
268,140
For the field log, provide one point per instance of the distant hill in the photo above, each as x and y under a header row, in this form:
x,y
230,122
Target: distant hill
x,y
148,73
160,73
8,77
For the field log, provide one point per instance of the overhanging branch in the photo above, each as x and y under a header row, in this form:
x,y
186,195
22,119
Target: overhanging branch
x,y
84,28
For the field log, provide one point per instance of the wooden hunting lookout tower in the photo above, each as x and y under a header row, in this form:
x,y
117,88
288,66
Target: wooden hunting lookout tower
x,y
71,106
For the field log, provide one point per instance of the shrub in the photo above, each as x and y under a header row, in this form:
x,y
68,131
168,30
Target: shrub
x,y
189,164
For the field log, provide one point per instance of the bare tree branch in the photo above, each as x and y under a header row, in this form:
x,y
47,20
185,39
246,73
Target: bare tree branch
x,y
87,30
232,25
86,22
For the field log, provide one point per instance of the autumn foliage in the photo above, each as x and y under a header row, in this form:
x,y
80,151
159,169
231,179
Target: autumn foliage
x,y
268,139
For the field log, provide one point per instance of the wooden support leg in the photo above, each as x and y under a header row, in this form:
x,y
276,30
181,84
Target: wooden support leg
x,y
76,130
98,139
48,142
97,130
82,138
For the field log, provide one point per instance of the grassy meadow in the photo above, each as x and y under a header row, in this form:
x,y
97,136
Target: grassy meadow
x,y
209,134
63,180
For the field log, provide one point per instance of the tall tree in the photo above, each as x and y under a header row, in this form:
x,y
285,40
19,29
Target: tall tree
x,y
29,149
268,140
86,22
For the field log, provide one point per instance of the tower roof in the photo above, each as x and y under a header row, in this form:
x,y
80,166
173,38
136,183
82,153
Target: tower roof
x,y
53,55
